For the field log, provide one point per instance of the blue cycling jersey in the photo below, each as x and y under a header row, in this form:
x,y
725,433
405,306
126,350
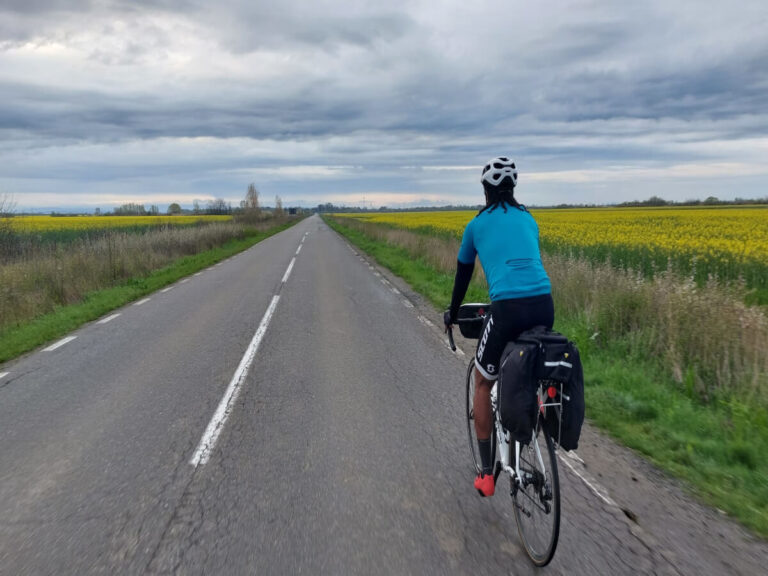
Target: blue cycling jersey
x,y
508,246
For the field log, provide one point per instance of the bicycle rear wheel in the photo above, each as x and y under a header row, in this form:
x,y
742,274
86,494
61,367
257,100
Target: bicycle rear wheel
x,y
537,499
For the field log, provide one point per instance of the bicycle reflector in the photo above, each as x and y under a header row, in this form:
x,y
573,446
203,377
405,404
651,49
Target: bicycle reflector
x,y
552,392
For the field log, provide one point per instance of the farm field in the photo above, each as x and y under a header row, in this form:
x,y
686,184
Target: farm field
x,y
675,369
54,223
729,244
50,266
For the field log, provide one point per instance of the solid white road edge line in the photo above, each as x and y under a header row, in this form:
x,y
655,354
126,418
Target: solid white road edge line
x,y
164,290
59,344
184,281
211,434
108,318
198,273
3,375
288,272
140,302
594,486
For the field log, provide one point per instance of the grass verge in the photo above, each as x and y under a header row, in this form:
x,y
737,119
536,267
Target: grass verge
x,y
17,340
720,449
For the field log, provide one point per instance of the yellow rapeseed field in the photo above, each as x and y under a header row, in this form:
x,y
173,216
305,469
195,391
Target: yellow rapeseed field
x,y
48,223
722,240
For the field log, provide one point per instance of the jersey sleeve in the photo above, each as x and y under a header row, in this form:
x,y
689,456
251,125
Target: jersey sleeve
x,y
467,252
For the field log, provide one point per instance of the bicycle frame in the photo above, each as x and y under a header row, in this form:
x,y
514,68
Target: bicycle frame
x,y
504,445
502,436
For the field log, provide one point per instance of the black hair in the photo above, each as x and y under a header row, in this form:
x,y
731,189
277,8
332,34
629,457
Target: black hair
x,y
500,197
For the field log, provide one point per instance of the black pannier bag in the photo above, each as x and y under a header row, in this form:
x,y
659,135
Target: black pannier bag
x,y
558,362
518,403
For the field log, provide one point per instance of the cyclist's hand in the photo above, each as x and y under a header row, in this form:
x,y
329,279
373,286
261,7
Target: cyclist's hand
x,y
448,319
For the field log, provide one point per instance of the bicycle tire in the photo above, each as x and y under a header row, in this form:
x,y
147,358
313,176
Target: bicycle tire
x,y
529,505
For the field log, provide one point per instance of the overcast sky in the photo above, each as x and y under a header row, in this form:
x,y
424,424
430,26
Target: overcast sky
x,y
397,102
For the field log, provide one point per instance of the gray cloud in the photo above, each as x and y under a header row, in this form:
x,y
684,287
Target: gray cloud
x,y
374,88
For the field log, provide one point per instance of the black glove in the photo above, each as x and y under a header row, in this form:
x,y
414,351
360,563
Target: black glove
x,y
448,319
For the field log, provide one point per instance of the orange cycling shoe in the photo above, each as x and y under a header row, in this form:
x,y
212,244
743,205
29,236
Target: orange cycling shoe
x,y
485,485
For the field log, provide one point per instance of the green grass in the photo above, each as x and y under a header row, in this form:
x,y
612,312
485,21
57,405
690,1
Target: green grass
x,y
719,449
19,339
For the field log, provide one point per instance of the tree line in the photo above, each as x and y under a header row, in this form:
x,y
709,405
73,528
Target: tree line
x,y
250,206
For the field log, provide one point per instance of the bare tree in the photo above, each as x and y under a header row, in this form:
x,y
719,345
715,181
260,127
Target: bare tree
x,y
278,206
7,205
252,199
218,206
251,209
9,240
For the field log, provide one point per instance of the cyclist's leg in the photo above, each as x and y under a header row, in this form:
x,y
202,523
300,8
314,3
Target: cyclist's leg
x,y
482,406
489,349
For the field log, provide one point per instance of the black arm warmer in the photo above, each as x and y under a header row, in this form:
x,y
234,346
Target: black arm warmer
x,y
460,285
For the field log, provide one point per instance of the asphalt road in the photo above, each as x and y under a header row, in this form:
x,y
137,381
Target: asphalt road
x,y
341,451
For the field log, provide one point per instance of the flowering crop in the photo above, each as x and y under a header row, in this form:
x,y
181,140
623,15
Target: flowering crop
x,y
725,242
59,223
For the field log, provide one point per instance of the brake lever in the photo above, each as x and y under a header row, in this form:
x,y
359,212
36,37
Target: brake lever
x,y
449,331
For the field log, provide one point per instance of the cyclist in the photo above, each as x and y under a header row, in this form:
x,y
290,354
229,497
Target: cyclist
x,y
505,237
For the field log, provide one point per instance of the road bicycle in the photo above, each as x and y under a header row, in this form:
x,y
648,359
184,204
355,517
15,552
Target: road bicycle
x,y
534,485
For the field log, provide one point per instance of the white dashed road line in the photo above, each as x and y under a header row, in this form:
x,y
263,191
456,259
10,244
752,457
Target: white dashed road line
x,y
211,434
3,375
298,249
288,271
108,318
184,281
426,321
164,290
59,344
215,426
198,273
144,301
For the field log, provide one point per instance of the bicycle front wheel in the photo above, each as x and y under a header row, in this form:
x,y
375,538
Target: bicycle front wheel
x,y
474,450
537,497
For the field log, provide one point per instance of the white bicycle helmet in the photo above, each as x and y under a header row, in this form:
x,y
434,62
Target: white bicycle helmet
x,y
497,170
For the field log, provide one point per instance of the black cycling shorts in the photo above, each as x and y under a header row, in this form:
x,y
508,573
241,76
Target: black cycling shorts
x,y
506,321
